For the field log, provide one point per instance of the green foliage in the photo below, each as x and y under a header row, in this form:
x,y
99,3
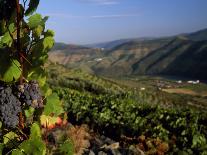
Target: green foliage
x,y
47,120
13,71
24,46
199,141
53,106
35,141
29,112
39,74
67,148
35,21
49,33
9,136
129,114
1,148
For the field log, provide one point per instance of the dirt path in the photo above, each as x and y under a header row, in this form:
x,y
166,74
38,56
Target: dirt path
x,y
184,91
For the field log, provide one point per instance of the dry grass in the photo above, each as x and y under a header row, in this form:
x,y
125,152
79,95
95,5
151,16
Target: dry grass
x,y
80,137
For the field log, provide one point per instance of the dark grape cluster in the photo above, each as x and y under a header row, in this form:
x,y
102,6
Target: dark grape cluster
x,y
29,93
14,98
10,107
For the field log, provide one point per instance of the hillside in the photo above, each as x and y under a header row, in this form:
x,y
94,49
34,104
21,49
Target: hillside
x,y
120,111
69,53
182,55
197,36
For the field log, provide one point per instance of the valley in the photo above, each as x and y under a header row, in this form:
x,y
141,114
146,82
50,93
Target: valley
x,y
132,111
128,90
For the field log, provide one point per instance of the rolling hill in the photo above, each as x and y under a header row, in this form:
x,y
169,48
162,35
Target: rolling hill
x,y
182,55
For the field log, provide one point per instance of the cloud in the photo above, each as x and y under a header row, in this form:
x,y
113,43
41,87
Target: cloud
x,y
68,16
101,2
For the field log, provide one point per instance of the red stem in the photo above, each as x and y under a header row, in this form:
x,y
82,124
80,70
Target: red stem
x,y
18,22
20,53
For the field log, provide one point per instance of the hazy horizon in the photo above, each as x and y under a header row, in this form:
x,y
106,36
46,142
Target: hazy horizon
x,y
96,21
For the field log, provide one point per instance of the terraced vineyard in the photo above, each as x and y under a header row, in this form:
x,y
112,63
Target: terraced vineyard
x,y
132,108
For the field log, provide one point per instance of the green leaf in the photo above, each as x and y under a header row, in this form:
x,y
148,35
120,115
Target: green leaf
x,y
33,4
49,33
9,137
35,20
37,31
198,141
35,131
34,145
29,112
48,43
1,148
2,27
53,106
39,74
45,18
46,90
67,148
6,40
12,72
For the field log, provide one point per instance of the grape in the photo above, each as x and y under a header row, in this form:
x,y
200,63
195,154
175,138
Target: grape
x,y
10,107
29,93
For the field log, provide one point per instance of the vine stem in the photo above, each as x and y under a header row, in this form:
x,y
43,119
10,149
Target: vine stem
x,y
20,53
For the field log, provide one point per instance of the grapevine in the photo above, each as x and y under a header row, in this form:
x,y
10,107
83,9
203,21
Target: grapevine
x,y
24,46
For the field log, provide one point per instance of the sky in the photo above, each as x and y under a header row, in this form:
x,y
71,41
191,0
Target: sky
x,y
94,21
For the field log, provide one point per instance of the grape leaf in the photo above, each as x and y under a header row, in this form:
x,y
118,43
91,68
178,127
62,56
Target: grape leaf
x,y
9,137
49,33
39,74
35,130
46,90
33,4
47,120
37,31
12,72
35,20
48,43
53,106
6,40
34,145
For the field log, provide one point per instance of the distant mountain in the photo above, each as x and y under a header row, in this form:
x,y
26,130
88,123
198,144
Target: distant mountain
x,y
114,43
181,55
59,46
197,36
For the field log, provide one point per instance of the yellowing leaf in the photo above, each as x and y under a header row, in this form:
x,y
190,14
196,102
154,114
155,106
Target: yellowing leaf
x,y
9,137
47,120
